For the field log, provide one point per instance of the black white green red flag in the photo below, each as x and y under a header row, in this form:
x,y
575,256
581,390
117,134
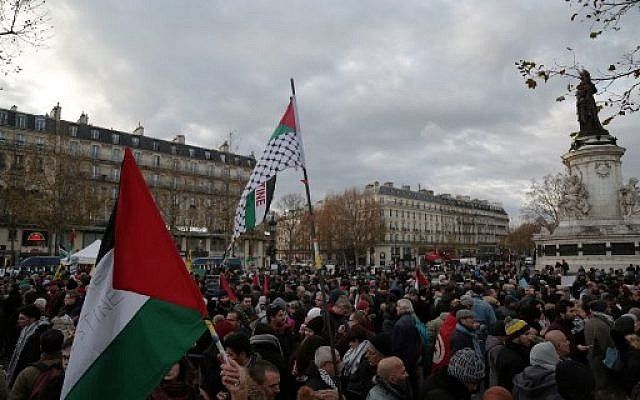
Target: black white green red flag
x,y
142,311
283,151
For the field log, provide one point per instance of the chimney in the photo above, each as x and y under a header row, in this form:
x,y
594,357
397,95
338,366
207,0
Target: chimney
x,y
225,147
56,112
139,130
179,139
388,184
84,119
14,108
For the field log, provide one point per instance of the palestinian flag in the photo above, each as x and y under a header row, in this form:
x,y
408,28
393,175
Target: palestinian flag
x,y
142,311
284,150
258,203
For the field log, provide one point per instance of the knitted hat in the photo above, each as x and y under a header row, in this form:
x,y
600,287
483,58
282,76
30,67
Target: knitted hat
x,y
466,300
464,313
466,366
544,355
574,380
279,301
316,324
515,327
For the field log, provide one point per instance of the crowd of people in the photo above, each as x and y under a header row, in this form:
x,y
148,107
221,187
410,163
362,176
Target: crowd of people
x,y
465,332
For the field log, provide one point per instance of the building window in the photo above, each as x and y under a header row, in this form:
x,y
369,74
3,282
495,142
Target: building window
x,y
95,151
116,174
155,146
95,134
192,152
116,155
21,121
73,131
40,142
156,160
207,155
135,141
174,149
40,164
138,156
95,171
4,117
18,161
115,138
2,137
155,179
176,164
20,140
41,124
193,167
73,147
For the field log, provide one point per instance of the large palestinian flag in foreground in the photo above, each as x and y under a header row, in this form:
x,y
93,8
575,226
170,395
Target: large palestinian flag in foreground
x,y
284,150
142,311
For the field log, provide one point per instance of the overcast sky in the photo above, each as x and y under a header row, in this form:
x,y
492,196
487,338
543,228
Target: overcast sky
x,y
415,92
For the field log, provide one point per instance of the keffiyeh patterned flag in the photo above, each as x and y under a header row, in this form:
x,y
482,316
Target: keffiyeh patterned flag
x,y
284,150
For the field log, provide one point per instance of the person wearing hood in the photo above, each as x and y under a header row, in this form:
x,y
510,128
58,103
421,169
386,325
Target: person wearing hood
x,y
538,381
628,345
391,381
459,380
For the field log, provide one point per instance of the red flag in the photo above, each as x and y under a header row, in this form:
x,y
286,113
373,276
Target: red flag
x,y
421,280
255,282
225,286
265,288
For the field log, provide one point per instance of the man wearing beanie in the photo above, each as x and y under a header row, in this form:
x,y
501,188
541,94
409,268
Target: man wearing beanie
x,y
466,334
538,381
513,358
459,380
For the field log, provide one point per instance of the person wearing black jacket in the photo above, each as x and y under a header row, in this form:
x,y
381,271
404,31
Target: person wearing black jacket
x,y
513,358
459,380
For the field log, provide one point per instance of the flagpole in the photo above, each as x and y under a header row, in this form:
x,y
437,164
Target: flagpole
x,y
316,250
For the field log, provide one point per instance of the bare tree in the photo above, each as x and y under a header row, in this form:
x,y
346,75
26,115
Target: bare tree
x,y
543,199
23,23
349,224
520,239
291,222
623,72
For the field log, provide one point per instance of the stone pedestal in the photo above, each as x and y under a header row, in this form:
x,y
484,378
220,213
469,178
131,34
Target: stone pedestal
x,y
601,235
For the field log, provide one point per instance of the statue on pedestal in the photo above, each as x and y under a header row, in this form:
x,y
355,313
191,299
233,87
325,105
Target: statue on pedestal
x,y
630,198
574,198
591,130
586,107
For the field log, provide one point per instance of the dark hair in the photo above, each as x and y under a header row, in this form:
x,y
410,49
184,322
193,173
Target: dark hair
x,y
306,352
562,306
359,333
259,370
272,311
238,342
31,311
51,341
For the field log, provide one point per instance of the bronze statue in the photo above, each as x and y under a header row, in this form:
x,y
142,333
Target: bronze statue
x,y
586,106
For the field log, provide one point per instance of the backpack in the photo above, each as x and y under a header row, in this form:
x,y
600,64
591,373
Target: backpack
x,y
48,374
612,359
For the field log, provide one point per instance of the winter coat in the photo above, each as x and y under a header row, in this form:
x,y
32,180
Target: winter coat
x,y
512,359
464,338
597,336
442,386
23,384
383,390
534,383
494,345
358,384
406,342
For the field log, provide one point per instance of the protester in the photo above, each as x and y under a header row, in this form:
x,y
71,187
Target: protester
x,y
391,381
459,380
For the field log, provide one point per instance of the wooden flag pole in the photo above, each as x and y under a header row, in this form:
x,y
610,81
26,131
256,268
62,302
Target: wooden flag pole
x,y
316,254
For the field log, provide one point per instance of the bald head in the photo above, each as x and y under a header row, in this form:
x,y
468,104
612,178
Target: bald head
x,y
392,370
559,341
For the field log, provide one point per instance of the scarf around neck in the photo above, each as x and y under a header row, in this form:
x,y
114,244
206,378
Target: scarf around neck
x,y
353,357
474,337
326,378
25,334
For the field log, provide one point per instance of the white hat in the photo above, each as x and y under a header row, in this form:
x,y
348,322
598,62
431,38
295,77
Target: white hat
x,y
313,313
